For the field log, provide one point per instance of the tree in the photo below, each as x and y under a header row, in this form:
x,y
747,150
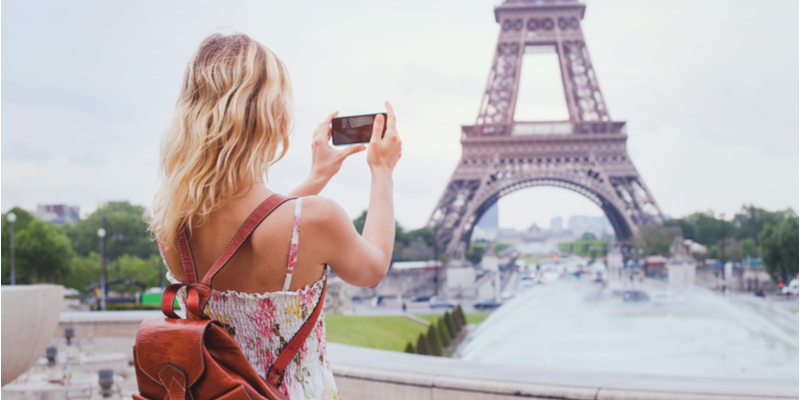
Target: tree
x,y
410,348
476,251
686,227
779,249
83,271
655,239
43,253
416,245
444,334
588,236
124,221
713,252
452,328
434,341
146,271
732,249
457,321
416,250
360,221
748,247
461,315
751,220
422,345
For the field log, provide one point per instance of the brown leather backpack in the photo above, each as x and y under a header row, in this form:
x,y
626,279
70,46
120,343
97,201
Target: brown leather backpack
x,y
196,358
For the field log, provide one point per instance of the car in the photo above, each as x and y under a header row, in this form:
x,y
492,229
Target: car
x,y
439,301
791,288
634,296
507,295
490,304
421,298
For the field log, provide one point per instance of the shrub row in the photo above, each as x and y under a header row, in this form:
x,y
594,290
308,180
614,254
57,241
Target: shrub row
x,y
439,334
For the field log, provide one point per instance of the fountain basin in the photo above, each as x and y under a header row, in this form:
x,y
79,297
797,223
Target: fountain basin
x,y
30,316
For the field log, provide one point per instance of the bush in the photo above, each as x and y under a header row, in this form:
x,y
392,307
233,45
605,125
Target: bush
x,y
434,341
410,348
451,326
461,315
779,249
422,345
444,334
457,321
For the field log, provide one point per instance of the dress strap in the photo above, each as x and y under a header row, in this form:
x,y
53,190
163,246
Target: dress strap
x,y
298,206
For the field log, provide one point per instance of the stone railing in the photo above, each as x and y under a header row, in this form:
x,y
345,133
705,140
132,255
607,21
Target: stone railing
x,y
369,374
363,373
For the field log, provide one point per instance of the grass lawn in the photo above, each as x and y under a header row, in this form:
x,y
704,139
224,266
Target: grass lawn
x,y
382,332
472,318
377,332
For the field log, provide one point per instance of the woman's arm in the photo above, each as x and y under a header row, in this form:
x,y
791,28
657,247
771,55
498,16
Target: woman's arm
x,y
361,260
325,160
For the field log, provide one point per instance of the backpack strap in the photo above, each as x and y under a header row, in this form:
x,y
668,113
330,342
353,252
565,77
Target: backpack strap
x,y
275,373
197,294
250,224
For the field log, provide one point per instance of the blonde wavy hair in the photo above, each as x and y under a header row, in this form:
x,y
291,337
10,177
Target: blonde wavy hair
x,y
231,122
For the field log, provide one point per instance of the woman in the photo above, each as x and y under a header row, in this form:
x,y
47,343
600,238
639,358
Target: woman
x,y
232,121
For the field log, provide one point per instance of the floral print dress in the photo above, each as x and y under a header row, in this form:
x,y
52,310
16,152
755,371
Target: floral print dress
x,y
263,323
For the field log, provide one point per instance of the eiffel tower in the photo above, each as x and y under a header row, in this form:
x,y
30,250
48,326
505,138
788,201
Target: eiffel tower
x,y
586,153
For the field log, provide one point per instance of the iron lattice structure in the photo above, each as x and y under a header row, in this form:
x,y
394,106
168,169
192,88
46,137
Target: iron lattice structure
x,y
586,154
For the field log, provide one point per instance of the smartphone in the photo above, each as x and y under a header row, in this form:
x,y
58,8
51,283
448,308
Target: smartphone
x,y
355,128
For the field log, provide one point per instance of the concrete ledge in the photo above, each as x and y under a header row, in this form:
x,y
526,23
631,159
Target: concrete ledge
x,y
363,373
104,323
30,316
367,373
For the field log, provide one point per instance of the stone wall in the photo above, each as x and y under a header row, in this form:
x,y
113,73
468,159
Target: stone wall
x,y
409,282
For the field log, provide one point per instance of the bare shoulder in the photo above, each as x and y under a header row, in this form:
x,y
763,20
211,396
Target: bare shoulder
x,y
322,212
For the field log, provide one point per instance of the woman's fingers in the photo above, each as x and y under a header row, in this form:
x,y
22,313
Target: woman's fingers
x,y
391,121
377,129
351,150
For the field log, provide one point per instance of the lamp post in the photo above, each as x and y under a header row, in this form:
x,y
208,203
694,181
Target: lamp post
x,y
11,217
101,233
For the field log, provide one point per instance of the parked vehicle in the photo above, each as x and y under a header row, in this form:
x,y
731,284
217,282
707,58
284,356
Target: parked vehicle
x,y
421,298
439,301
791,288
634,296
490,304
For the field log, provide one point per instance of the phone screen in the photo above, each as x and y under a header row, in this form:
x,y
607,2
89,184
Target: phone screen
x,y
354,129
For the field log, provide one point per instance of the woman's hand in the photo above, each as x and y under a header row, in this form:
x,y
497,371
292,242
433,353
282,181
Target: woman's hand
x,y
325,160
361,260
384,152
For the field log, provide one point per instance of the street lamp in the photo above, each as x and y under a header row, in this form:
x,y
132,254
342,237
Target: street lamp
x,y
101,233
11,217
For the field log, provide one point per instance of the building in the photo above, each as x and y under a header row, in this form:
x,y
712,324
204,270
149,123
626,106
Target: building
x,y
58,214
557,224
582,224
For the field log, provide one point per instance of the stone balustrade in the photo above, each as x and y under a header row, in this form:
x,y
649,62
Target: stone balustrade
x,y
363,373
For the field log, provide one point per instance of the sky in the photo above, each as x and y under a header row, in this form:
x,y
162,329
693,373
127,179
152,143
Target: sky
x,y
709,90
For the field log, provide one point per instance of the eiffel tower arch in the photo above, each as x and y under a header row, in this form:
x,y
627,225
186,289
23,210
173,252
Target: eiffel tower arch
x,y
586,153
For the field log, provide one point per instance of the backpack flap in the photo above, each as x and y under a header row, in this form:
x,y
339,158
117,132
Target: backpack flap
x,y
170,351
